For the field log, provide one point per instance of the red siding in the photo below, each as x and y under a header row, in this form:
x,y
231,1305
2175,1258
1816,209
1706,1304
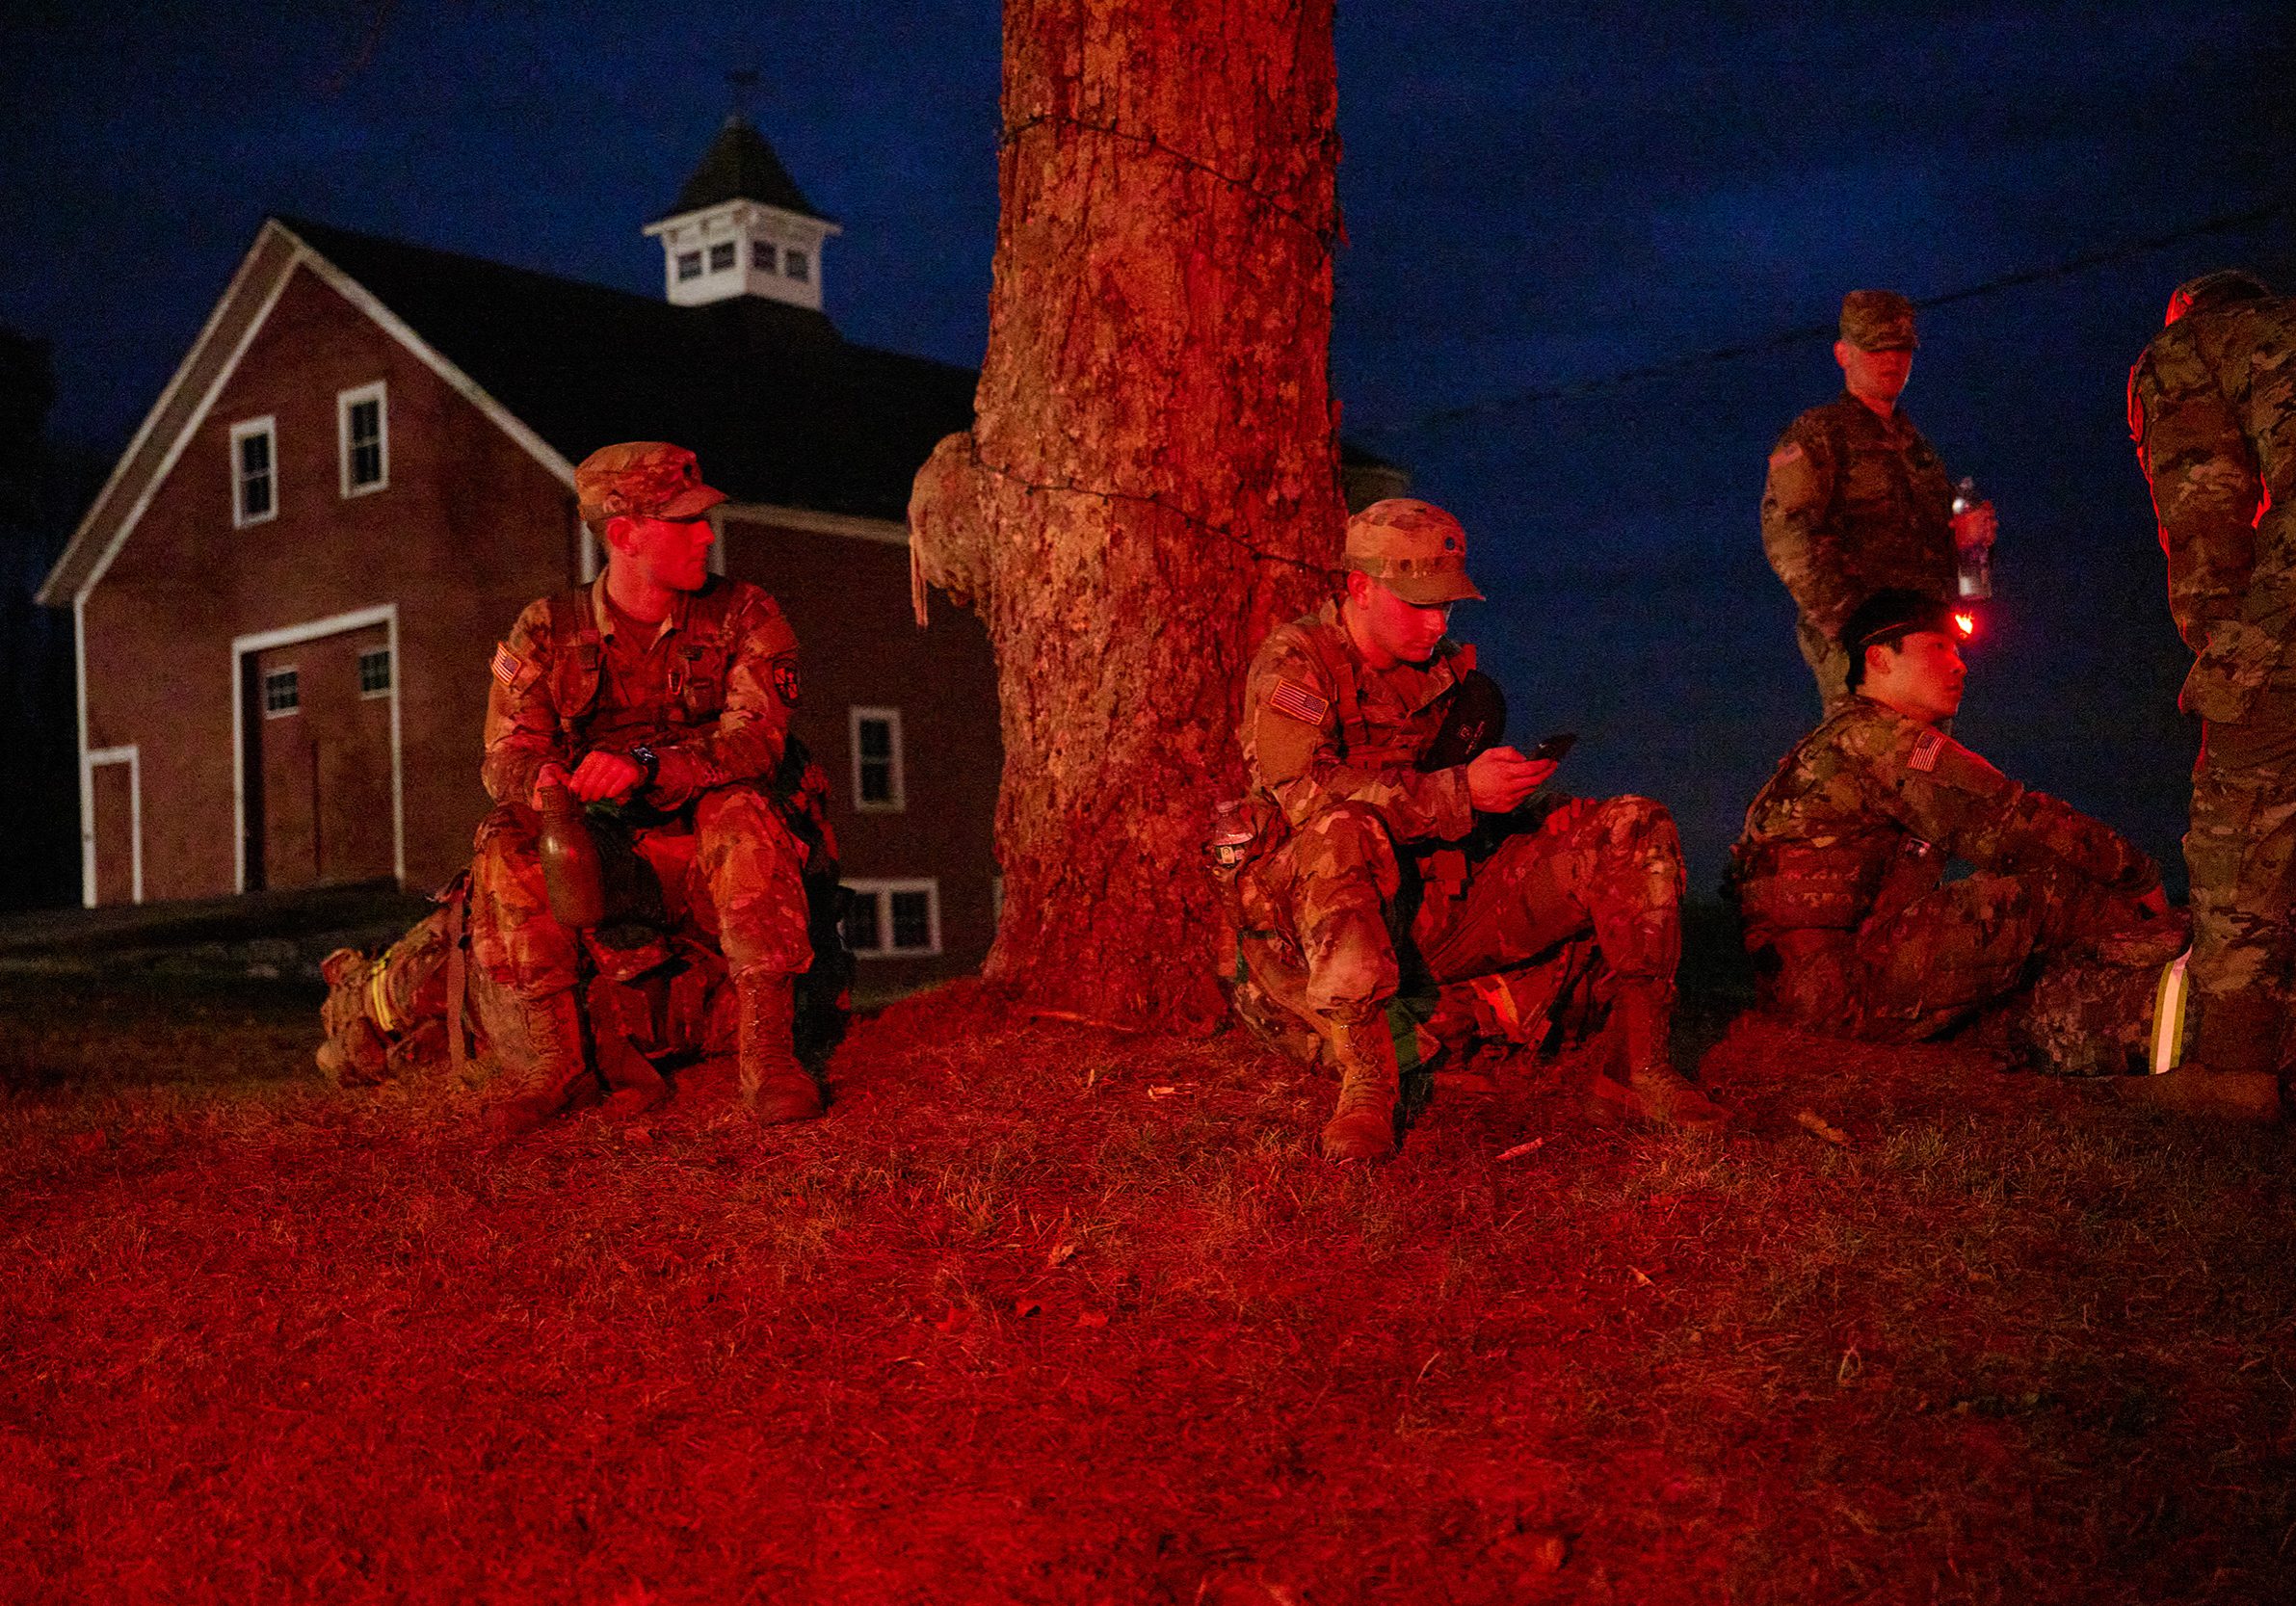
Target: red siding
x,y
859,645
468,531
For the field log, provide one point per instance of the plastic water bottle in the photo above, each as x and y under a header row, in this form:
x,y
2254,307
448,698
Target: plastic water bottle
x,y
1976,562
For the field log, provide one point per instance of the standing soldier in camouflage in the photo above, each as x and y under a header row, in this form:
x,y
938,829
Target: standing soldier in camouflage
x,y
1856,502
666,691
2212,404
1363,865
1839,877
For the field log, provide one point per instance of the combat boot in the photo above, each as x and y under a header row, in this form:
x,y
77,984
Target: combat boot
x,y
1363,1125
1646,1087
560,1070
354,1053
2233,1072
773,1085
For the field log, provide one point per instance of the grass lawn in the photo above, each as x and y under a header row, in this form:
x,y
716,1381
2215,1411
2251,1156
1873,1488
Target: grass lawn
x,y
1042,1313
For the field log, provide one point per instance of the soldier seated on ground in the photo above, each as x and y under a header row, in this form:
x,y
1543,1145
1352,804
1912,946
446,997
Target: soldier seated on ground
x,y
658,697
1839,877
1370,869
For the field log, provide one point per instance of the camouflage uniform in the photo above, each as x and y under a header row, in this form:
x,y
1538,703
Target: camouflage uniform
x,y
1854,504
2213,403
711,693
386,1015
1372,875
1853,931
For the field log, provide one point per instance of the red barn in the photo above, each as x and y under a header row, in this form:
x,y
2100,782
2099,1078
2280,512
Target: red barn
x,y
288,591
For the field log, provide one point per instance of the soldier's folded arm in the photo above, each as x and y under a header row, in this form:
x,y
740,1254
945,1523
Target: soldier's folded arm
x,y
2205,490
522,730
748,739
1945,794
1291,729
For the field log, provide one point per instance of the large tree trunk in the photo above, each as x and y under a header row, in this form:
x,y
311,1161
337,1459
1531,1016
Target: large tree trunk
x,y
1151,482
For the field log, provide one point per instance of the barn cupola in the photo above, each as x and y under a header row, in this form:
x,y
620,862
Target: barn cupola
x,y
741,227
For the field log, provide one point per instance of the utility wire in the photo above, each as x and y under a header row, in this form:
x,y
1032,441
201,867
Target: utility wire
x,y
1489,407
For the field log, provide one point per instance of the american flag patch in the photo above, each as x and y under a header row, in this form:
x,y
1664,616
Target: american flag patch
x,y
1293,699
1926,747
507,665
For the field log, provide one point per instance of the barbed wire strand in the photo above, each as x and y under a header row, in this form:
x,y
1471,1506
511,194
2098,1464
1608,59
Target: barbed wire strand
x,y
1493,406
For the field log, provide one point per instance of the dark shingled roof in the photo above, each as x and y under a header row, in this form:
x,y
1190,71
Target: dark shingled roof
x,y
740,166
780,406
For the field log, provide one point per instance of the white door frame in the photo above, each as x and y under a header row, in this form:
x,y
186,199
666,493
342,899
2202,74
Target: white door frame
x,y
89,761
386,615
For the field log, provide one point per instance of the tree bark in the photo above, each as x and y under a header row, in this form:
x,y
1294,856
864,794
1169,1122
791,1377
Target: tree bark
x,y
1151,482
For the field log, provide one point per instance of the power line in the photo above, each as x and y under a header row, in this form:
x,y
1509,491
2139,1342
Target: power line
x,y
2228,223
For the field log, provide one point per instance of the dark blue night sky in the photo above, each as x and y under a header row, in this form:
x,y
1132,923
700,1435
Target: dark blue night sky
x,y
1535,196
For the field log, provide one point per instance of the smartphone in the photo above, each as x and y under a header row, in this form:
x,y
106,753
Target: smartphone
x,y
1555,746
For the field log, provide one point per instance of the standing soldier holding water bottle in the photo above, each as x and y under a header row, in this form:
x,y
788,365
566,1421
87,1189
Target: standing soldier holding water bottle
x,y
1857,502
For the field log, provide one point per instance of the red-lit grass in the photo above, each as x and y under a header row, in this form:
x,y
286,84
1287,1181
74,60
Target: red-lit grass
x,y
1013,1325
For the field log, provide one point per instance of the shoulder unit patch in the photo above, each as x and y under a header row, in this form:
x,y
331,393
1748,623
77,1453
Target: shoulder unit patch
x,y
1291,698
1926,747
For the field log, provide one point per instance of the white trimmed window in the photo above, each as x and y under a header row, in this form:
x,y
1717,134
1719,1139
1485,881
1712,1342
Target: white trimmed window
x,y
877,779
362,429
763,257
282,692
722,256
894,919
796,265
373,673
254,471
689,265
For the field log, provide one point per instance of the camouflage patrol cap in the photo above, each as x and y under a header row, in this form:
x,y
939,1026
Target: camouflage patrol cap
x,y
1877,321
2216,289
1414,549
642,479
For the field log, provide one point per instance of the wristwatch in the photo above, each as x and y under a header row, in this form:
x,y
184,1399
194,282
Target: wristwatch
x,y
646,758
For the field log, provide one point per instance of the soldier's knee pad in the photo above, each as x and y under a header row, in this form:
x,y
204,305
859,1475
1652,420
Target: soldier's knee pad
x,y
1629,819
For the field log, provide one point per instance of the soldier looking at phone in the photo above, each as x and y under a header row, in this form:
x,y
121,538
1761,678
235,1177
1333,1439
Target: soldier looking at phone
x,y
1375,855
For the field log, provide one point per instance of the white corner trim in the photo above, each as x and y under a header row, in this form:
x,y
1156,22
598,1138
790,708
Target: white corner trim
x,y
129,756
887,531
386,615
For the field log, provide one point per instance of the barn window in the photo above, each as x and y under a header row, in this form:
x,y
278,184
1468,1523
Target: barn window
x,y
794,263
893,919
721,256
689,265
282,692
761,256
877,778
254,471
362,426
373,673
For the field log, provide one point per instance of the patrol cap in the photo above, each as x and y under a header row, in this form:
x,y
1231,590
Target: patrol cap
x,y
642,479
1414,549
1877,321
2217,289
1891,613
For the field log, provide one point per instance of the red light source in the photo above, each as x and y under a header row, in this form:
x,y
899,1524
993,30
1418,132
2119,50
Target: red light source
x,y
1965,624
